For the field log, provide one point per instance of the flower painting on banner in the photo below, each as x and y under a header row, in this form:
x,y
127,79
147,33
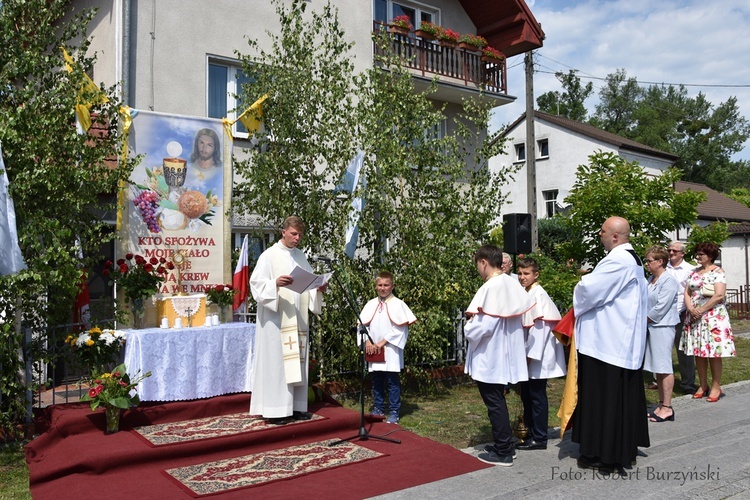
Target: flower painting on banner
x,y
179,194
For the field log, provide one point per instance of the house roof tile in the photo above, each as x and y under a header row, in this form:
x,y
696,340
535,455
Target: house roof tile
x,y
718,207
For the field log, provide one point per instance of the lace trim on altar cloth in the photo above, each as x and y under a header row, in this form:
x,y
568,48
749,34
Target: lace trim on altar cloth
x,y
180,305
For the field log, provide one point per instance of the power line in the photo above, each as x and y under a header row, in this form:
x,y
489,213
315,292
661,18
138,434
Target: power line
x,y
591,77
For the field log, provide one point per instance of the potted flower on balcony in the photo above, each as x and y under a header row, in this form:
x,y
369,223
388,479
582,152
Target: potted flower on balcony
x,y
400,25
491,54
448,37
427,30
473,43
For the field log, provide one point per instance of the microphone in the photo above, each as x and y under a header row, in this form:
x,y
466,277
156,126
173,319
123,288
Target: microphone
x,y
325,260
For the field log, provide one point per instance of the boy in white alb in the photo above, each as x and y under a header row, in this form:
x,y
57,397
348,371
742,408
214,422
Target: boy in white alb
x,y
544,354
388,319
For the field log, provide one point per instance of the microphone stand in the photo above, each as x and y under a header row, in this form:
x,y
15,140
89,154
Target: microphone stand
x,y
364,335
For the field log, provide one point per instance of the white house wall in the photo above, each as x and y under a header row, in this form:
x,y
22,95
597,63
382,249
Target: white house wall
x,y
567,150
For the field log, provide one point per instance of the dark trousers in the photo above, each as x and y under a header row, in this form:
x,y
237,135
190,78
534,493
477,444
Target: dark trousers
x,y
686,362
535,408
379,382
497,411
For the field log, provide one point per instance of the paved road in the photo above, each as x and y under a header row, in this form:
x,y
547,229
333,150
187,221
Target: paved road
x,y
704,453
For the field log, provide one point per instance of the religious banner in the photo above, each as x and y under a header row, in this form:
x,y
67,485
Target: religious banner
x,y
177,203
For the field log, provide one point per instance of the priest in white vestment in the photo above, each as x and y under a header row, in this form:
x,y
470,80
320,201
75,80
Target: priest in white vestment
x,y
279,371
496,355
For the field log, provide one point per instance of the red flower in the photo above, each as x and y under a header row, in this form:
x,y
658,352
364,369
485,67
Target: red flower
x,y
108,264
162,260
105,272
128,256
139,260
123,384
148,268
170,265
228,288
120,262
219,288
161,270
153,261
124,268
92,392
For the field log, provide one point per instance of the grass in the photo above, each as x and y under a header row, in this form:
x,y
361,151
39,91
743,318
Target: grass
x,y
452,415
14,475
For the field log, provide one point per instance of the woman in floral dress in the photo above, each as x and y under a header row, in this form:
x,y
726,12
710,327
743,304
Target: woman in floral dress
x,y
708,334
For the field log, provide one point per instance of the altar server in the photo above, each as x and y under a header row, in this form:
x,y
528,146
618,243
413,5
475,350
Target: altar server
x,y
544,354
279,371
496,355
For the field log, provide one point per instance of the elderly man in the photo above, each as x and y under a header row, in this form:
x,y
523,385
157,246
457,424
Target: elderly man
x,y
611,304
507,266
680,269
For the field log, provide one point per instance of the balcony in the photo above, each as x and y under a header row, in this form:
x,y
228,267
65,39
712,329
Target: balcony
x,y
457,68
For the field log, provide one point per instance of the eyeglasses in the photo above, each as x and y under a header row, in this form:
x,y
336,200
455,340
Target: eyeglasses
x,y
671,250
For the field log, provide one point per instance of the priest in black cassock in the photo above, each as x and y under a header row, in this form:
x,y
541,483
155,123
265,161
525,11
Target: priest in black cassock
x,y
611,304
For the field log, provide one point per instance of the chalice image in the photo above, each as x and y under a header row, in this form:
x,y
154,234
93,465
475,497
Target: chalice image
x,y
175,172
178,259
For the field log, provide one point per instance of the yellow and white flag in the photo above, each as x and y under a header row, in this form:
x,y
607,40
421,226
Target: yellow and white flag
x,y
88,95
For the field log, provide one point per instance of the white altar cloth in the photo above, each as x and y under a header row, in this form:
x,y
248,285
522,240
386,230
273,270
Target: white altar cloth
x,y
191,363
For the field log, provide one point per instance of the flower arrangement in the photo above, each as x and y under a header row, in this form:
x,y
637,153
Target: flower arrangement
x,y
96,348
475,40
138,277
402,22
113,389
448,35
221,295
429,28
492,53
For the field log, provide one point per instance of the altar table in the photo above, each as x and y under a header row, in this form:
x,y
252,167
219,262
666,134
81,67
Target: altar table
x,y
191,363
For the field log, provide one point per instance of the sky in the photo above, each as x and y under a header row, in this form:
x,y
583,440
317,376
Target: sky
x,y
702,44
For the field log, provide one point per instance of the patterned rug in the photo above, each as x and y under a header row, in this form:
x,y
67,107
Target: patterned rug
x,y
207,428
274,465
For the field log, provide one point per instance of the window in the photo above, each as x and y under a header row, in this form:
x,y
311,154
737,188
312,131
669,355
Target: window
x,y
224,89
385,10
550,202
543,146
520,152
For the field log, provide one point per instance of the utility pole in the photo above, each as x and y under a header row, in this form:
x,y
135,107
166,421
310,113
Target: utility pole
x,y
531,150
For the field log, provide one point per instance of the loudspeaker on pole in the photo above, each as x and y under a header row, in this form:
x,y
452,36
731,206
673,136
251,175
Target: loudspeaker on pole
x,y
517,233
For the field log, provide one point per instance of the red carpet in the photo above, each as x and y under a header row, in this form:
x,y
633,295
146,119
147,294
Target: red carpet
x,y
74,459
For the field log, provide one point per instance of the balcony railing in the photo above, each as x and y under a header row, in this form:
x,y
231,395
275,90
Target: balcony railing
x,y
454,64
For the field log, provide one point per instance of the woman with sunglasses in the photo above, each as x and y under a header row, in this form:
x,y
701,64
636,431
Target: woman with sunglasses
x,y
708,334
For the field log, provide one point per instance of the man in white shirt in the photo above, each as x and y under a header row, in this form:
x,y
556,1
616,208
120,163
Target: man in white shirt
x,y
507,266
681,269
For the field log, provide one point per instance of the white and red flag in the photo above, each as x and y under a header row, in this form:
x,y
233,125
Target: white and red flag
x,y
240,280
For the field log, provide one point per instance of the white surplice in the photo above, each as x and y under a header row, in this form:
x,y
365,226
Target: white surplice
x,y
388,319
546,355
496,352
611,304
272,396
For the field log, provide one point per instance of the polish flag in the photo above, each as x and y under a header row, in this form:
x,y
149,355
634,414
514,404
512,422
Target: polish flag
x,y
240,280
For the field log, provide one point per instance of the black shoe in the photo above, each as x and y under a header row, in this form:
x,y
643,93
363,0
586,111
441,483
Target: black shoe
x,y
301,415
280,420
490,448
495,459
530,444
594,463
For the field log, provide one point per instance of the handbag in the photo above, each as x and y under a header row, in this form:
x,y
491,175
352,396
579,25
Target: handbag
x,y
707,290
